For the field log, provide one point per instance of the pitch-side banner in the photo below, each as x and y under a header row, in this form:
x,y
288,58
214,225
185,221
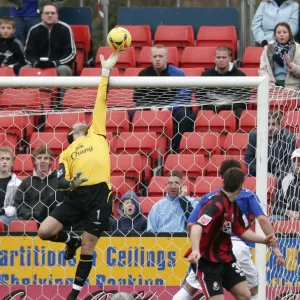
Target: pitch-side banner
x,y
152,268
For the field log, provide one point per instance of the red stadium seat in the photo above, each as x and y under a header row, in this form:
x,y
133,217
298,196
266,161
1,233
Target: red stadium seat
x,y
2,227
200,143
214,36
158,186
120,98
126,60
23,165
291,121
191,165
117,121
249,71
97,72
216,160
63,122
133,71
174,36
207,120
37,72
145,57
206,184
23,226
25,99
236,143
57,142
82,36
193,71
7,72
80,98
247,121
128,165
251,57
284,100
147,203
147,144
153,121
198,57
140,37
122,184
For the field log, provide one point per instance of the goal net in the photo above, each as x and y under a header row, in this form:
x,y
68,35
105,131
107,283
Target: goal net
x,y
154,126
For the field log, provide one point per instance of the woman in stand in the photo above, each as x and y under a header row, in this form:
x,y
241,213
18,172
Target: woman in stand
x,y
280,61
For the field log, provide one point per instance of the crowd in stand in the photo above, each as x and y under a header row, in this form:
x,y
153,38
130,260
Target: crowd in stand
x,y
274,27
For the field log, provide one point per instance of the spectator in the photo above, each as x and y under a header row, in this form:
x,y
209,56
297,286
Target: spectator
x,y
131,217
8,186
222,98
11,49
26,15
183,116
122,296
287,202
280,61
171,213
271,12
35,194
281,145
50,44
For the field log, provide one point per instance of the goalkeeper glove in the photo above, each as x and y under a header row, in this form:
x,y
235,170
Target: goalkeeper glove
x,y
107,65
76,181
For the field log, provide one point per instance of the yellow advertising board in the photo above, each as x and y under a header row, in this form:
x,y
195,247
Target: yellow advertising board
x,y
117,260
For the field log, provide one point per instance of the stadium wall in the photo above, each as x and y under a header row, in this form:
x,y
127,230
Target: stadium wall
x,y
148,269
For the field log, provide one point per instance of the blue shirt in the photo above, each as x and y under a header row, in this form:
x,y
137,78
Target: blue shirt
x,y
246,200
168,216
29,9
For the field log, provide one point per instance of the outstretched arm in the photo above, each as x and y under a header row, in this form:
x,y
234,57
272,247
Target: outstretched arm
x,y
99,115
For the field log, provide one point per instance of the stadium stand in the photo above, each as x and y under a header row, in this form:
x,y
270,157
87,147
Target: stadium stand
x,y
97,72
251,57
214,36
37,72
23,226
7,72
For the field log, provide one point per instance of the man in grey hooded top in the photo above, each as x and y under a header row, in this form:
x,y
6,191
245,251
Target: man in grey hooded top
x,y
130,214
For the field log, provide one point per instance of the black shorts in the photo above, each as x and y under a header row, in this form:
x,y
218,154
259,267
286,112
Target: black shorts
x,y
213,277
90,206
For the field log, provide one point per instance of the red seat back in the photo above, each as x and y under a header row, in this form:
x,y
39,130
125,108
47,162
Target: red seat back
x,y
251,57
198,57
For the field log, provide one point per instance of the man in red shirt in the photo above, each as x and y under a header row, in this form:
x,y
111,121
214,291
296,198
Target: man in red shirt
x,y
212,258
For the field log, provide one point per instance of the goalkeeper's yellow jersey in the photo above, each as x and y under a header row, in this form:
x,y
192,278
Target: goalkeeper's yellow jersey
x,y
90,154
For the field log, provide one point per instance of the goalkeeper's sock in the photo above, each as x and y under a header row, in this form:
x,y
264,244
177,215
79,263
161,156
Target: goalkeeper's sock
x,y
82,273
64,237
182,294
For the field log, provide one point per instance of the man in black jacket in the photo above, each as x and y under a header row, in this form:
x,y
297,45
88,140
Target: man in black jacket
x,y
223,99
11,49
35,196
50,44
281,145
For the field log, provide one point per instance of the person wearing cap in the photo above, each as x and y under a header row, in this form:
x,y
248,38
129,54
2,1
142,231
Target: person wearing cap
x,y
287,202
130,215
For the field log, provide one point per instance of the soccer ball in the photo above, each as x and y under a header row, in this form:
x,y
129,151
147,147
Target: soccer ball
x,y
119,39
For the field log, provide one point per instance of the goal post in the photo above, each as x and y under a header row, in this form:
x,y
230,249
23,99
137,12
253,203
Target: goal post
x,y
260,84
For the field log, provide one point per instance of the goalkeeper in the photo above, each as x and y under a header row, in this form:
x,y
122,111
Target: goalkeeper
x,y
85,173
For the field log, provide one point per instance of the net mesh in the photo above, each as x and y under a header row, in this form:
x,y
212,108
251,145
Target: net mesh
x,y
148,136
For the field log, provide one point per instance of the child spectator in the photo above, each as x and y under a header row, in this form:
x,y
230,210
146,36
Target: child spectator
x,y
11,49
131,217
271,12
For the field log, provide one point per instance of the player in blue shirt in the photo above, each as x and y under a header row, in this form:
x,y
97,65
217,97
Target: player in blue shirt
x,y
250,205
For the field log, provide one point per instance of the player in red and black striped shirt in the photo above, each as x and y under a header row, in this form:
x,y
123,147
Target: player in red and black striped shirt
x,y
213,256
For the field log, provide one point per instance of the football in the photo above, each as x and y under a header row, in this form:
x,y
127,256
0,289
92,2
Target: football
x,y
119,39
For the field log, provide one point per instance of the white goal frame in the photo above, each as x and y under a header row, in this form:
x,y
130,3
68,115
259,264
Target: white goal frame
x,y
261,83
